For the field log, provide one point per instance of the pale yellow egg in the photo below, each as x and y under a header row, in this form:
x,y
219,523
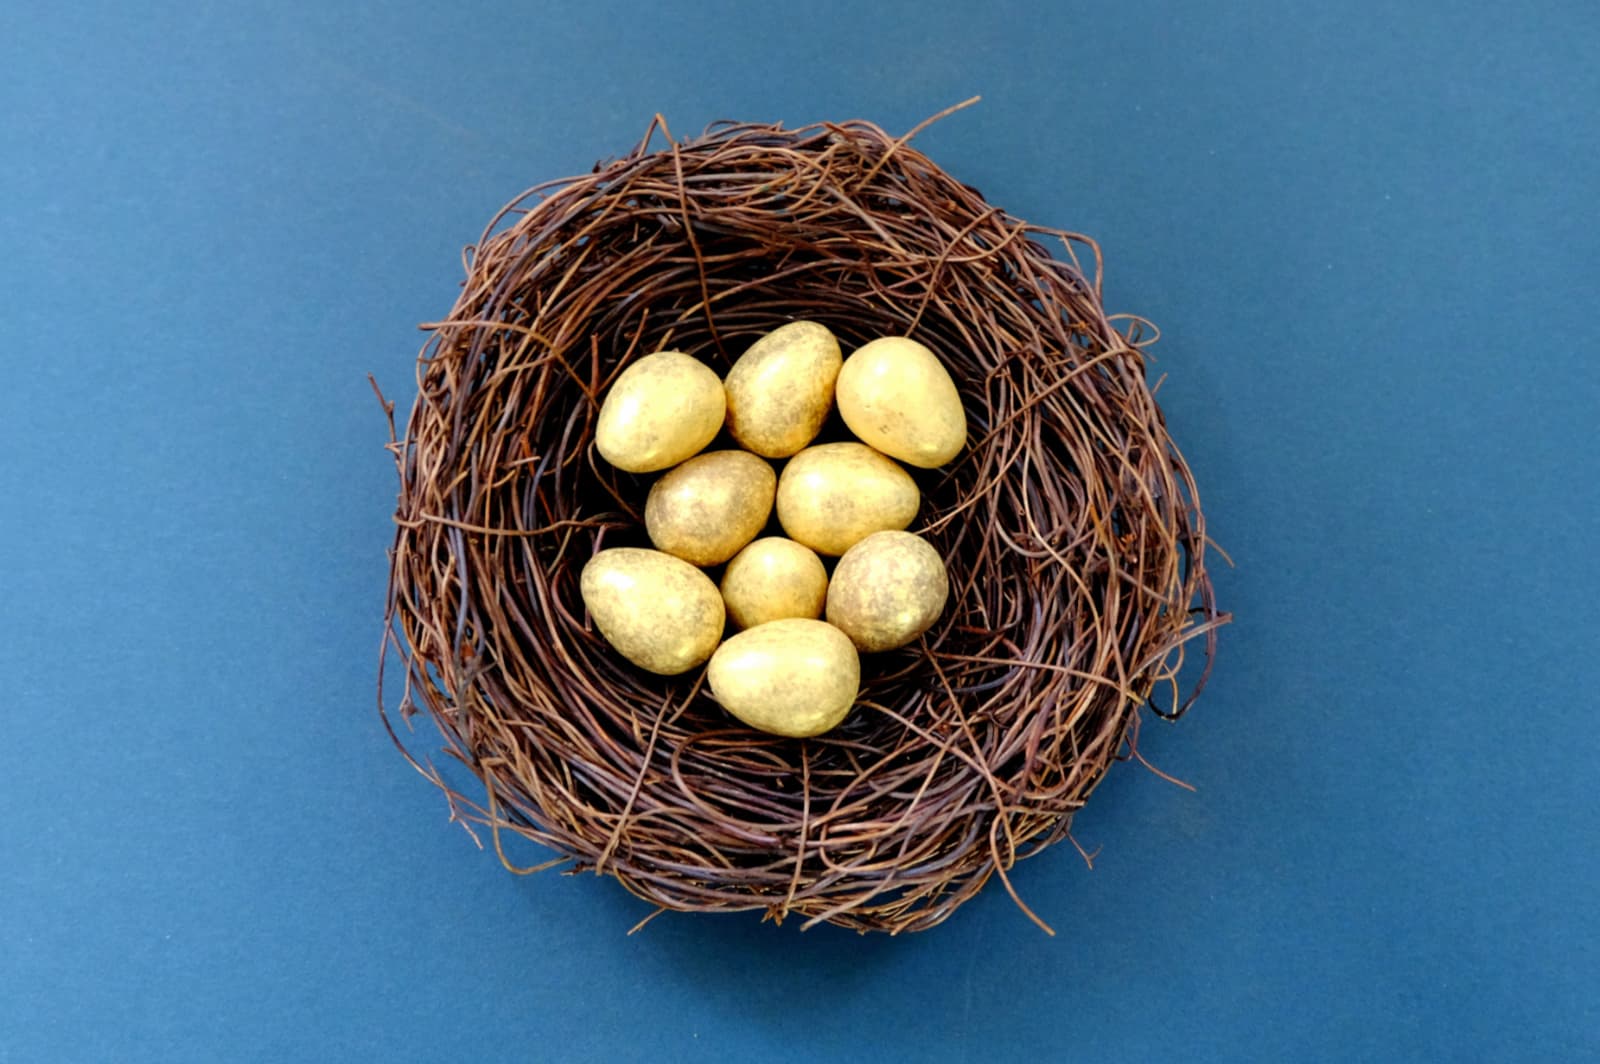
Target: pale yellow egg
x,y
661,410
781,389
709,507
833,495
793,677
659,612
897,397
887,590
774,579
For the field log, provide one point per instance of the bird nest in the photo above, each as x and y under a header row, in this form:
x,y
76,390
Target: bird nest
x,y
1070,527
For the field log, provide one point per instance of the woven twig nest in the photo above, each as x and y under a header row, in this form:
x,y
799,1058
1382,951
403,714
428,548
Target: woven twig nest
x,y
1070,527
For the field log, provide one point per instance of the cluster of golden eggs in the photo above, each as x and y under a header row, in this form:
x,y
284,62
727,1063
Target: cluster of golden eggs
x,y
786,672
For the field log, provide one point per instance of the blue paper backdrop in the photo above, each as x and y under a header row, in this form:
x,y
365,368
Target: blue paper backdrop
x,y
1369,233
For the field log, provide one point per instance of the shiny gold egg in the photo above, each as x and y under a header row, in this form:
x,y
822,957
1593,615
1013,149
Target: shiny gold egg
x,y
887,590
794,677
781,389
833,495
896,396
662,409
659,612
709,507
774,579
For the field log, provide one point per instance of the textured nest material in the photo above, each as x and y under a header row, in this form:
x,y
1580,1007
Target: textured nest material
x,y
1070,526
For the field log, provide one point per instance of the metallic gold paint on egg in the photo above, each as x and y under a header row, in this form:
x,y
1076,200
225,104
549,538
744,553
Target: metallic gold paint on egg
x,y
661,410
781,389
774,579
793,677
659,612
897,397
706,510
887,590
835,494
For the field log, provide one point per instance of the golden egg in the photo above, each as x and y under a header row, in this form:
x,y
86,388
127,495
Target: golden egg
x,y
896,396
662,409
887,590
795,677
781,389
774,579
659,612
835,494
709,507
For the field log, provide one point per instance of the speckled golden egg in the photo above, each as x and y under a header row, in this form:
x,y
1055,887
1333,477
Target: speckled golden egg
x,y
661,410
781,389
887,590
835,494
659,612
774,579
896,396
709,507
793,677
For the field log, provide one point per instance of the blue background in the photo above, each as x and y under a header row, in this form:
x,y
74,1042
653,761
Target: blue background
x,y
1370,238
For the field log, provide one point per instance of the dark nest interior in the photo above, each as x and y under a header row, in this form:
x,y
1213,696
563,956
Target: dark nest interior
x,y
1070,526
